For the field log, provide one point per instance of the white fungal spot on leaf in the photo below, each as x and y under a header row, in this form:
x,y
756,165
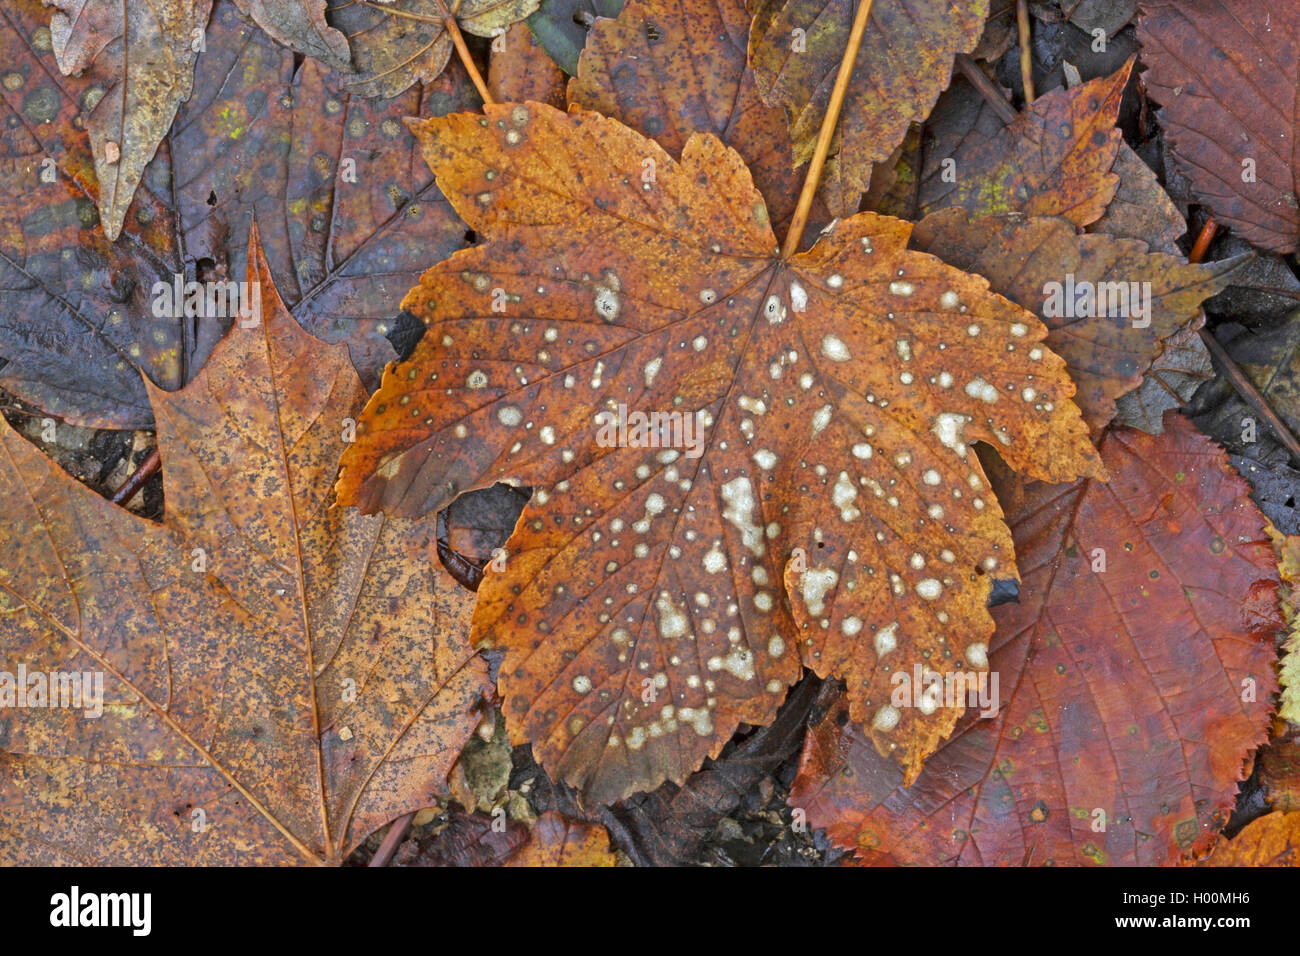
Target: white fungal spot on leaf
x,y
886,718
798,297
948,426
652,369
886,639
814,583
738,495
978,388
835,349
821,418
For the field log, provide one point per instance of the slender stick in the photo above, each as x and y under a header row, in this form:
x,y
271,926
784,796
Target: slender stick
x,y
148,468
986,87
1026,60
1231,370
841,87
1251,396
392,840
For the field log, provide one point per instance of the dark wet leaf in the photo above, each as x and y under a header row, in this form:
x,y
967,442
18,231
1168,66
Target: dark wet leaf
x,y
561,27
347,209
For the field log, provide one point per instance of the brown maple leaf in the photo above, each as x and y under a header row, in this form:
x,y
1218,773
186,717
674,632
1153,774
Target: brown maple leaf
x,y
279,678
824,410
1134,681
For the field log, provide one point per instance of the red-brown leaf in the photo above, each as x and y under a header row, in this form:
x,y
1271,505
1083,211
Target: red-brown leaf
x,y
1121,691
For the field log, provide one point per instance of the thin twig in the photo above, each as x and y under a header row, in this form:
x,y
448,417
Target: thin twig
x,y
918,164
1246,389
986,87
392,840
1231,370
800,218
1026,60
148,468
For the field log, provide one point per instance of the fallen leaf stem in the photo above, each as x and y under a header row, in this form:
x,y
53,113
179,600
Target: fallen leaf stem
x,y
458,41
800,218
1026,60
448,21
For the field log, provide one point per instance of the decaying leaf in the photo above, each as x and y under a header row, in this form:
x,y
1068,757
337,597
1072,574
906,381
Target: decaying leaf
x,y
462,839
1288,554
142,54
1134,680
669,826
473,529
556,841
905,60
1055,159
1226,74
348,211
1141,208
520,70
1109,16
300,25
1272,840
1278,764
561,27
279,677
1110,305
396,43
76,324
1182,366
477,839
824,409
668,70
